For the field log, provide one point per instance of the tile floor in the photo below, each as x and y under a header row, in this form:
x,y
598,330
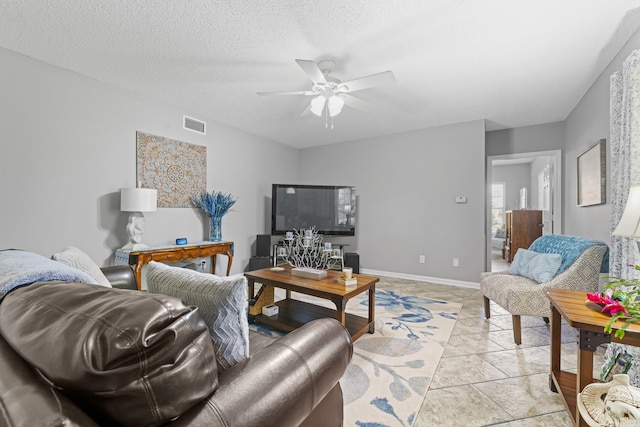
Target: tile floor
x,y
484,378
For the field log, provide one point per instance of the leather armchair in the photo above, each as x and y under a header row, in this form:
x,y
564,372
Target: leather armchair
x,y
252,391
287,381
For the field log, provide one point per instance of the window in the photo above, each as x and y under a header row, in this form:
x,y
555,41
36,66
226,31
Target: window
x,y
497,207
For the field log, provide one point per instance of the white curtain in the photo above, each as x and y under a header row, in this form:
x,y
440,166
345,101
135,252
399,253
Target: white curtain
x,y
625,171
625,158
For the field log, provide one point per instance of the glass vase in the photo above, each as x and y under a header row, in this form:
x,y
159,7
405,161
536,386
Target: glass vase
x,y
215,229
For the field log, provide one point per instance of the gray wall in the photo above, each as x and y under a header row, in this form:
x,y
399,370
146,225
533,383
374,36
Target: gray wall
x,y
68,146
515,177
549,136
587,123
406,185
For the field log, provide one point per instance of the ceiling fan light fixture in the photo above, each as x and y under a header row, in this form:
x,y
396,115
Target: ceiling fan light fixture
x,y
329,92
335,104
317,105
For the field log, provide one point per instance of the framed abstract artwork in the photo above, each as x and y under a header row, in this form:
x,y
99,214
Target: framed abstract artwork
x,y
178,170
592,175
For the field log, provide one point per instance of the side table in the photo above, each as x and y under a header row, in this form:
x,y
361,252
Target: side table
x,y
572,307
172,253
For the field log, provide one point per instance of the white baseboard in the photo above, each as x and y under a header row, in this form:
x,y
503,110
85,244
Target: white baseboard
x,y
462,284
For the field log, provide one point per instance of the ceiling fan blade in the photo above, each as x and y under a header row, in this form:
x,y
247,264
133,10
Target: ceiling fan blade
x,y
293,92
311,70
368,81
355,102
306,111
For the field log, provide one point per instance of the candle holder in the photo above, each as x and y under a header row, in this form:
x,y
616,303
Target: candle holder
x,y
306,253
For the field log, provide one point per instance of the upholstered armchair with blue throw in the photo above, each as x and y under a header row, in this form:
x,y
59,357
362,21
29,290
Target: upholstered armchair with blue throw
x,y
552,261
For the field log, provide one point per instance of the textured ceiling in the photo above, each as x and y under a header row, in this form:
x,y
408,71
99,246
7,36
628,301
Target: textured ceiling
x,y
511,62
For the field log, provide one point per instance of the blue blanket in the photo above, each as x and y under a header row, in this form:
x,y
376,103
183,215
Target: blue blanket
x,y
20,268
570,247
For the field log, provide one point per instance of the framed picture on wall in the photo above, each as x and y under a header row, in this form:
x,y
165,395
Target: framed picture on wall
x,y
592,172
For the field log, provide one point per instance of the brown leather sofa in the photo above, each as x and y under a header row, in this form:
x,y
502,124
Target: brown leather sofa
x,y
288,381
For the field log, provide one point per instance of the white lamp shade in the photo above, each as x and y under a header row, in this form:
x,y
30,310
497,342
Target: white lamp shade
x,y
317,105
629,225
138,200
335,105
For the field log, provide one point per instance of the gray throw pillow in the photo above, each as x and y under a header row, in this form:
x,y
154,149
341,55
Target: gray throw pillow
x,y
222,302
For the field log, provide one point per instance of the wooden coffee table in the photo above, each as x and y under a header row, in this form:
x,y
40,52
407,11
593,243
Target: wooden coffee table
x,y
293,313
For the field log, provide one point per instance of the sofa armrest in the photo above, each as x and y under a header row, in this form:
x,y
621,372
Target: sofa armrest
x,y
583,274
121,276
281,384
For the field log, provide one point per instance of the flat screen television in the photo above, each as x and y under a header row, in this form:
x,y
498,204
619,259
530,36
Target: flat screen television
x,y
331,209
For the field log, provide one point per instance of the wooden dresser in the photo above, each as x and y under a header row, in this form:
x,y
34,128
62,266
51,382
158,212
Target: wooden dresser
x,y
522,228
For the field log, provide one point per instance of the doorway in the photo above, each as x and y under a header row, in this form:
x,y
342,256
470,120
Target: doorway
x,y
531,181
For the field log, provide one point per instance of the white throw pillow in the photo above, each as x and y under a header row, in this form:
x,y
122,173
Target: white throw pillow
x,y
74,257
222,301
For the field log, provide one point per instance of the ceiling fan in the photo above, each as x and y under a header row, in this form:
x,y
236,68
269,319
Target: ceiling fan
x,y
329,93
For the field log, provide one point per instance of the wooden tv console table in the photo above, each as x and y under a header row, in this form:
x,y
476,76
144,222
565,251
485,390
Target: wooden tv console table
x,y
172,253
572,306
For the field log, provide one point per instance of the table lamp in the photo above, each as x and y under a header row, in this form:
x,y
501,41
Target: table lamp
x,y
629,224
137,201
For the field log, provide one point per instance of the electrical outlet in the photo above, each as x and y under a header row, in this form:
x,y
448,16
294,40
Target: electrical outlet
x,y
421,259
456,262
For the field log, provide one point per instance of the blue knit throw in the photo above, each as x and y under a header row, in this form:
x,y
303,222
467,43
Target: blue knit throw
x,y
20,268
570,247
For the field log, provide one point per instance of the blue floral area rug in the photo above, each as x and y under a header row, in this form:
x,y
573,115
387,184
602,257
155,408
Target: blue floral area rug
x,y
391,369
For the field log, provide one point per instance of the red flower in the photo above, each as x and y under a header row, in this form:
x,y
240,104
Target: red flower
x,y
599,298
614,308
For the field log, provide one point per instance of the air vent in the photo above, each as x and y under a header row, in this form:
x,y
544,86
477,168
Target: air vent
x,y
195,125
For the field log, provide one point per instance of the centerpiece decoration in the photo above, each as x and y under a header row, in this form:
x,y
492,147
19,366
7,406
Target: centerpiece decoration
x,y
216,204
621,300
304,251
